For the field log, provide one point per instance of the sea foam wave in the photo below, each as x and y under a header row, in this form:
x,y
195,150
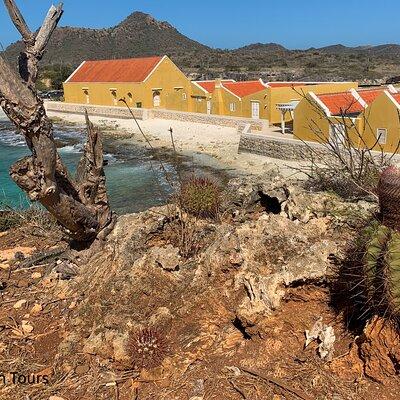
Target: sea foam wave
x,y
8,137
12,139
75,148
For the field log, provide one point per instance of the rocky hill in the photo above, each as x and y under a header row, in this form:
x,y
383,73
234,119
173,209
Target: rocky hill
x,y
140,35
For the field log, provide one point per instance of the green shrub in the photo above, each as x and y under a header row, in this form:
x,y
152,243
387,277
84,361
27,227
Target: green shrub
x,y
200,197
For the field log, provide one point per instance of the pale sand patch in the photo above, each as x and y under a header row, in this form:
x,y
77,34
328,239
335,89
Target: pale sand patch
x,y
192,139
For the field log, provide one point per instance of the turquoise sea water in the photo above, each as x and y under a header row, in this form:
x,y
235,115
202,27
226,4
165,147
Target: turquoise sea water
x,y
134,179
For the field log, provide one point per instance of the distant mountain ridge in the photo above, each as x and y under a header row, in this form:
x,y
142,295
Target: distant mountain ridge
x,y
142,35
138,35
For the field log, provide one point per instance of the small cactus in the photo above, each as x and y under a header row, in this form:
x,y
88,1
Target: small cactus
x,y
148,348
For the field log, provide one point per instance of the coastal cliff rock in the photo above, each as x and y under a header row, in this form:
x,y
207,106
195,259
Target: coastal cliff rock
x,y
226,293
236,295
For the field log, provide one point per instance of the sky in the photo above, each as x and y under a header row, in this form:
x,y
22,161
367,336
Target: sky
x,y
230,24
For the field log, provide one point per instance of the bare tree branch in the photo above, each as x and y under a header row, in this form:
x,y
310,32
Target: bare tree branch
x,y
34,44
27,112
82,207
15,91
50,23
90,175
18,20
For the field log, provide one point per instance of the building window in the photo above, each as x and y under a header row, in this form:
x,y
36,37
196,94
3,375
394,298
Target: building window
x,y
139,105
156,98
86,93
114,96
338,133
184,96
381,135
255,110
232,107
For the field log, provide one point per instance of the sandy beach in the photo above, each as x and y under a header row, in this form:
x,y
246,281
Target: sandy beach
x,y
211,145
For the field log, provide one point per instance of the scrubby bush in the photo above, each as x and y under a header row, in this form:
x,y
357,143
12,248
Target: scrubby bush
x,y
332,176
34,216
8,220
200,197
344,163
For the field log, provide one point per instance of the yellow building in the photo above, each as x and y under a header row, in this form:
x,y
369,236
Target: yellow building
x,y
368,118
151,82
256,99
203,98
281,93
248,101
200,99
236,99
382,123
156,82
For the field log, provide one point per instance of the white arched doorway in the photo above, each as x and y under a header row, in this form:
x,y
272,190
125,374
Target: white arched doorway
x,y
86,93
114,97
156,98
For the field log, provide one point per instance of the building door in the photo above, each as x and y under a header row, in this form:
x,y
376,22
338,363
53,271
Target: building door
x,y
114,97
208,106
87,97
156,99
255,110
338,133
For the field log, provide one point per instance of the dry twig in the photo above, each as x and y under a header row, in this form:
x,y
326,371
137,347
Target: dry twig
x,y
277,382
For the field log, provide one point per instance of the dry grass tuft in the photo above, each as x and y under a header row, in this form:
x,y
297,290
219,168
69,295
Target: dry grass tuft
x,y
39,219
8,220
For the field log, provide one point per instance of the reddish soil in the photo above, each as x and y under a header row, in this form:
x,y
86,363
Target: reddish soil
x,y
280,367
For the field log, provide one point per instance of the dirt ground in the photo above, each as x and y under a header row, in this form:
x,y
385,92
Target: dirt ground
x,y
209,353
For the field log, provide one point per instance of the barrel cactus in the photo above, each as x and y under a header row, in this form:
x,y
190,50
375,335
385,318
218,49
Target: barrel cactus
x,y
201,197
378,286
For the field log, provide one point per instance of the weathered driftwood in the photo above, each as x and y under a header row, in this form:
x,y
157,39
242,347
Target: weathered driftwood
x,y
80,205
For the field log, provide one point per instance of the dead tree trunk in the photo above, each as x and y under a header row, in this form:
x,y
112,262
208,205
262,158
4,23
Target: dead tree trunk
x,y
80,205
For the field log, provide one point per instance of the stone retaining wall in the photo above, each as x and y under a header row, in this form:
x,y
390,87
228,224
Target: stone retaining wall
x,y
289,149
97,111
280,148
143,114
232,122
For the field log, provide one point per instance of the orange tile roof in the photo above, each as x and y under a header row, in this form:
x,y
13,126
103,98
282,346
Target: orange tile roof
x,y
128,70
209,86
396,96
370,95
242,89
341,103
285,84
